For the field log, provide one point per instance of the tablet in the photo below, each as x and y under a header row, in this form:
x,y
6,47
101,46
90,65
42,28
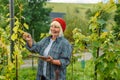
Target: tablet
x,y
38,56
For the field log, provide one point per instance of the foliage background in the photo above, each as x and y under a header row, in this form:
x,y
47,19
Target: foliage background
x,y
84,37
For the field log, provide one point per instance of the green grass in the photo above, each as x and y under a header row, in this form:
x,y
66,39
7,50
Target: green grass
x,y
27,74
74,72
65,7
71,8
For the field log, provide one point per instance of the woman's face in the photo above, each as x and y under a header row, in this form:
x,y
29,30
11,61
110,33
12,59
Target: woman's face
x,y
55,30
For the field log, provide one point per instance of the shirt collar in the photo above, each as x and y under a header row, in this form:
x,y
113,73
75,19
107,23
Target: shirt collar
x,y
57,40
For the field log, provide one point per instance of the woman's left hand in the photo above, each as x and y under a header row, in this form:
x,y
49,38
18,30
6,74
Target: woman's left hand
x,y
49,59
52,61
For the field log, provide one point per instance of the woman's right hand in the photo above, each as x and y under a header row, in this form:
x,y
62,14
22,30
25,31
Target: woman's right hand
x,y
27,36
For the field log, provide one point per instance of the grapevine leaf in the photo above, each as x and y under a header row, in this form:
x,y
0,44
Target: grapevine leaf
x,y
14,36
15,29
2,77
26,26
21,31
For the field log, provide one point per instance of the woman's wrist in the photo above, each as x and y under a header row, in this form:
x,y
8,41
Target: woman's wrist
x,y
52,61
30,42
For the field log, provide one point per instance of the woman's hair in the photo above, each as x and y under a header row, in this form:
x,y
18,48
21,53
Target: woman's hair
x,y
57,24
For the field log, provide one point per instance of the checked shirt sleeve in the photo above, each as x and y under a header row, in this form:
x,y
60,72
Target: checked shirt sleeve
x,y
66,54
36,46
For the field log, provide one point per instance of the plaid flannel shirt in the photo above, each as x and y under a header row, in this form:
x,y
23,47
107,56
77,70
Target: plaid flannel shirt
x,y
61,50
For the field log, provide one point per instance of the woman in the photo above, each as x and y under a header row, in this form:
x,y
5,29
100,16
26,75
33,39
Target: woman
x,y
56,48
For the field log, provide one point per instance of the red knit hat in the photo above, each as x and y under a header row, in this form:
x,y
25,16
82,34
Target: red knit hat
x,y
62,23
